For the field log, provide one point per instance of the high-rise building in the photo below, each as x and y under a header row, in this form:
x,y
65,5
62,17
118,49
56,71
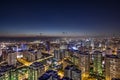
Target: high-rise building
x,y
63,50
5,72
4,55
97,62
35,71
112,67
32,55
72,72
75,59
84,63
38,54
12,58
48,46
59,54
0,51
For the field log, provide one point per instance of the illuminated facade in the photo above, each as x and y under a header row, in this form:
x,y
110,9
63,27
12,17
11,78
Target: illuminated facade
x,y
84,60
12,58
97,62
63,51
75,60
112,67
35,71
72,72
31,55
4,55
0,51
8,73
38,54
59,54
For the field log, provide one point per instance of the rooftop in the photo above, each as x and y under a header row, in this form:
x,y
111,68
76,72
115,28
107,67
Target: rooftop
x,y
48,74
112,56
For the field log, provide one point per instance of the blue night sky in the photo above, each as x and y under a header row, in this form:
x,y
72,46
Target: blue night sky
x,y
55,17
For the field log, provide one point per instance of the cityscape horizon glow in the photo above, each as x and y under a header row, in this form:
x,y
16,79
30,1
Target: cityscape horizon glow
x,y
59,40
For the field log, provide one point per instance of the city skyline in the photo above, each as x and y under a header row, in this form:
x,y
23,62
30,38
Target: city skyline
x,y
73,17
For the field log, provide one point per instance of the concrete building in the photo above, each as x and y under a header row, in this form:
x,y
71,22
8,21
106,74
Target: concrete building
x,y
112,67
72,72
58,55
97,62
12,58
32,55
50,75
84,63
36,70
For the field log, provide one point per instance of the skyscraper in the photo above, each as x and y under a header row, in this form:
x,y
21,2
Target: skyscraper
x,y
35,71
12,58
1,57
84,63
48,46
97,62
38,54
112,67
57,55
72,72
0,51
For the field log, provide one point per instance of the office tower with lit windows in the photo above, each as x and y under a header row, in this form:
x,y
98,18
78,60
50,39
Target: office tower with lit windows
x,y
92,44
63,49
67,54
12,56
38,54
73,55
97,62
112,67
58,54
29,56
32,55
74,59
0,53
21,73
72,72
35,71
13,74
1,58
5,72
4,55
84,63
62,53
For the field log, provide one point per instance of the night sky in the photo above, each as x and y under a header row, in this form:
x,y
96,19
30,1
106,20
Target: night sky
x,y
54,17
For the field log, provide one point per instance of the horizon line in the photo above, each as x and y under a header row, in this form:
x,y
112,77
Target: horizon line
x,y
33,35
